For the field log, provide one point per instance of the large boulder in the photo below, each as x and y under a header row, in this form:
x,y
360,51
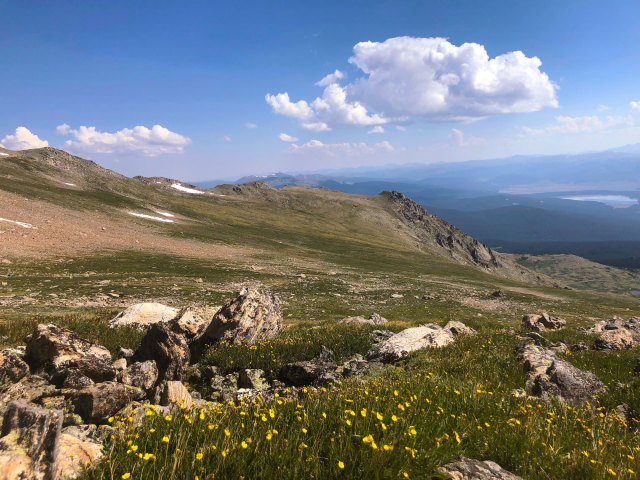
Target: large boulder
x,y
142,375
174,392
143,315
374,319
12,367
191,322
470,469
252,316
167,346
550,376
74,454
58,351
541,322
410,340
29,437
96,403
459,328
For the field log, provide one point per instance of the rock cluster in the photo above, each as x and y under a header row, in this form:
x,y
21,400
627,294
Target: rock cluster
x,y
541,322
616,333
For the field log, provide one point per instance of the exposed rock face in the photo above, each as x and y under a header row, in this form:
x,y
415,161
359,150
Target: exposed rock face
x,y
143,375
29,435
550,376
374,319
252,316
616,333
12,367
96,403
58,351
321,370
410,340
469,469
175,392
541,322
143,315
459,328
74,454
168,348
192,321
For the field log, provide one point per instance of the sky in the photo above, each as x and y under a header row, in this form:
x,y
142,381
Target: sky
x,y
217,90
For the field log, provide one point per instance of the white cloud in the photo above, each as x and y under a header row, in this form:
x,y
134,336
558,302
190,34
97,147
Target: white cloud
x,y
23,139
376,129
331,78
635,105
429,78
149,142
63,129
565,124
457,138
250,125
227,138
402,128
347,149
287,138
332,109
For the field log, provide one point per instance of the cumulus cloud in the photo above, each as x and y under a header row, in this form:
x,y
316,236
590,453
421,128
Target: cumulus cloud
x,y
582,124
287,138
250,125
457,138
331,78
429,78
635,105
376,129
149,142
23,139
347,149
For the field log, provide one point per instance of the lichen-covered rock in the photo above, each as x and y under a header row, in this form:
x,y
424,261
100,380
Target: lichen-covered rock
x,y
74,454
174,392
459,328
224,388
12,367
470,469
550,376
541,322
354,366
143,315
31,431
410,340
96,403
618,339
143,375
192,321
57,351
252,378
29,388
374,319
254,315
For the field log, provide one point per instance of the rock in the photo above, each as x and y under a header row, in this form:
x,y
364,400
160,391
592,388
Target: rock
x,y
354,366
168,348
143,315
319,371
252,316
618,339
58,351
125,353
459,328
29,388
497,294
410,340
397,295
252,378
175,392
469,469
12,367
538,339
192,321
550,376
75,379
30,434
374,319
541,322
579,347
224,388
74,455
636,369
378,336
142,375
119,364
96,403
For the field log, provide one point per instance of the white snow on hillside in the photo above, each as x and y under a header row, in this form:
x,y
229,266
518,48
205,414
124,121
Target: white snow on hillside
x,y
165,214
150,217
177,186
20,224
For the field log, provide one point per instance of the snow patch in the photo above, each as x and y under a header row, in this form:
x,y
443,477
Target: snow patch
x,y
4,154
70,184
21,224
177,186
150,217
165,214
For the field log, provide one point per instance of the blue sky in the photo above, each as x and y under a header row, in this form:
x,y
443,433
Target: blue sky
x,y
195,90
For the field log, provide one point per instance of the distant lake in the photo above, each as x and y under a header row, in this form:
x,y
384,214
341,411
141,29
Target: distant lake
x,y
612,200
